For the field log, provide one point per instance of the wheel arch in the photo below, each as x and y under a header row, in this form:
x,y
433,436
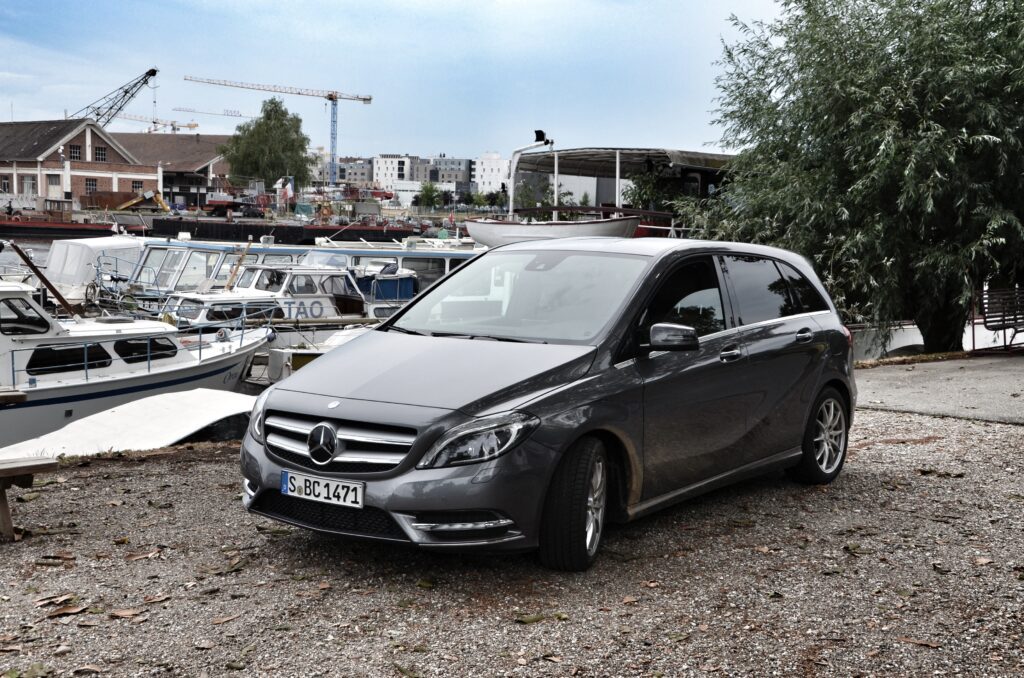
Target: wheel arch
x,y
624,464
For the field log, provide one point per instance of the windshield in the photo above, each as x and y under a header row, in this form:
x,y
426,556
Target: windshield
x,y
550,296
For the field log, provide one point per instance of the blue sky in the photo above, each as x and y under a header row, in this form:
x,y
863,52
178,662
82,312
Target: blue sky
x,y
449,76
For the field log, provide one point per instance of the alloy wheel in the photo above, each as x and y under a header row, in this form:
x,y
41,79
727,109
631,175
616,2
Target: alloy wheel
x,y
830,435
596,499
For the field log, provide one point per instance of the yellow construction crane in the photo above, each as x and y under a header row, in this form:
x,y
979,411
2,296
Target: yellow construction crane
x,y
157,123
330,95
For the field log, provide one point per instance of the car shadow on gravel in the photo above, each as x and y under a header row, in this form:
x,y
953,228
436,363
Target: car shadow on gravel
x,y
704,517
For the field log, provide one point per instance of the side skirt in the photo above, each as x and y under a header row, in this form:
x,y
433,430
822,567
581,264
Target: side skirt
x,y
781,460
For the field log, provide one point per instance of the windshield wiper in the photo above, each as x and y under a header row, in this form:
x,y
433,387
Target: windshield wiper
x,y
404,330
518,340
451,335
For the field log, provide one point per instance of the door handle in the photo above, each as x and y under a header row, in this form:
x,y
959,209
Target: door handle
x,y
804,336
730,354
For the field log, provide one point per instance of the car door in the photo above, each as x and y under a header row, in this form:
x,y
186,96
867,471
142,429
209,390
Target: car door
x,y
695,402
785,353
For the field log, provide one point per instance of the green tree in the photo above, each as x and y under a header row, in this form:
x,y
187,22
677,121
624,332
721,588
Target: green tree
x,y
585,199
882,139
269,147
428,196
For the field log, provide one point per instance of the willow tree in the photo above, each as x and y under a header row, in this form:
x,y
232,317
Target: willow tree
x,y
883,139
269,147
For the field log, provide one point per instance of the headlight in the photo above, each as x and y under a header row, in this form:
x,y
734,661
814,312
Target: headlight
x,y
256,417
479,440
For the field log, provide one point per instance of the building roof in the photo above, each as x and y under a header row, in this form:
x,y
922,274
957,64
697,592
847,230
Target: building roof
x,y
600,162
29,140
35,140
176,152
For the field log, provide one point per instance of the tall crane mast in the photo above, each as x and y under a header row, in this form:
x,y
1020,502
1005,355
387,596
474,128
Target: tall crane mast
x,y
228,113
106,108
330,95
157,122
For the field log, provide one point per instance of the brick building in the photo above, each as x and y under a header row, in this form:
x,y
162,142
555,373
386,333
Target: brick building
x,y
57,164
191,165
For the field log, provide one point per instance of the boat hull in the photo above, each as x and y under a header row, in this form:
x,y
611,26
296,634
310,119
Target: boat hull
x,y
493,233
58,229
49,409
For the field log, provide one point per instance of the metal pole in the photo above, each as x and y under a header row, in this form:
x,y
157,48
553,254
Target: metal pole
x,y
42,278
334,141
554,214
618,181
85,359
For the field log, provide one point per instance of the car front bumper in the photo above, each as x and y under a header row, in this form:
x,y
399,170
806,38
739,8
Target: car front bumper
x,y
494,505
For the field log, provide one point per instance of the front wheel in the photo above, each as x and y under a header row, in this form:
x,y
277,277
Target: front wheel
x,y
574,511
825,440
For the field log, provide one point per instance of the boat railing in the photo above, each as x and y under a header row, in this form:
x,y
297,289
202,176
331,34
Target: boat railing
x,y
194,344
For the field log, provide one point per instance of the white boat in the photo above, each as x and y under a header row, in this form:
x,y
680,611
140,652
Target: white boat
x,y
494,232
303,303
78,267
283,362
53,372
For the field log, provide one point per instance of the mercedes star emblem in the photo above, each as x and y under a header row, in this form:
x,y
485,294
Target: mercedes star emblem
x,y
323,443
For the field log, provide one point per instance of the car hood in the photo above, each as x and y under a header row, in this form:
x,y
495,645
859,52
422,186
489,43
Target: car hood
x,y
471,375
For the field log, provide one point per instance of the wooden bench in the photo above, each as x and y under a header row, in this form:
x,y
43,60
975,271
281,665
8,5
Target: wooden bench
x,y
18,472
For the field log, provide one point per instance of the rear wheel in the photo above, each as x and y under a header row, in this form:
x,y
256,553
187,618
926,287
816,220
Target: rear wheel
x,y
574,511
825,440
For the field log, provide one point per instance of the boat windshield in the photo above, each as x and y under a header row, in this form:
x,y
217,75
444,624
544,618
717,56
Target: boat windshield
x,y
565,297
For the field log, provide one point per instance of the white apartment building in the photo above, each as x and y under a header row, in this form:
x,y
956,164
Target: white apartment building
x,y
389,168
490,171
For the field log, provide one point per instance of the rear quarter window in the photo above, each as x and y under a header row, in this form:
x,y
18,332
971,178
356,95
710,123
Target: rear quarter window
x,y
804,291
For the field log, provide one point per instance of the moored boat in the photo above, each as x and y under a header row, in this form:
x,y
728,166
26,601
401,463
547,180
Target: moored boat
x,y
494,232
53,372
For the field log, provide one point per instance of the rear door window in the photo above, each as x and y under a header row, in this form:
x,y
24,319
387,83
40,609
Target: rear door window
x,y
761,292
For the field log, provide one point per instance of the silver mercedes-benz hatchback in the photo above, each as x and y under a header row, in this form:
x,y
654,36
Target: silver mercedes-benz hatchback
x,y
547,387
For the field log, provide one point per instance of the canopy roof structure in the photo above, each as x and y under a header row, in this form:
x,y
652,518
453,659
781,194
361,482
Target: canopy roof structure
x,y
601,162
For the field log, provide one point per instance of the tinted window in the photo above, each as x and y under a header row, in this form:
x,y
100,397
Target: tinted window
x,y
67,358
690,296
761,293
17,317
803,290
141,350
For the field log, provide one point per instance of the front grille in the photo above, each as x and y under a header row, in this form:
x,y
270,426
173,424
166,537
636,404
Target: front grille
x,y
366,522
303,461
368,448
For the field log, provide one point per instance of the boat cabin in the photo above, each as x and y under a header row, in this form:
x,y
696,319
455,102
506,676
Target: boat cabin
x,y
428,262
168,266
37,349
295,293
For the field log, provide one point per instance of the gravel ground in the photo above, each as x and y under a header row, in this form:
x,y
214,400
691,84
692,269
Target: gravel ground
x,y
912,562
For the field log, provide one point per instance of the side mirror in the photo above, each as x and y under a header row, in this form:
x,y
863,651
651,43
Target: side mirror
x,y
672,337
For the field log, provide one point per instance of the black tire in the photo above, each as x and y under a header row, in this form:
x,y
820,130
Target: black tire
x,y
825,441
566,543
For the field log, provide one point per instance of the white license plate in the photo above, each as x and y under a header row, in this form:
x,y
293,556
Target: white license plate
x,y
337,492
